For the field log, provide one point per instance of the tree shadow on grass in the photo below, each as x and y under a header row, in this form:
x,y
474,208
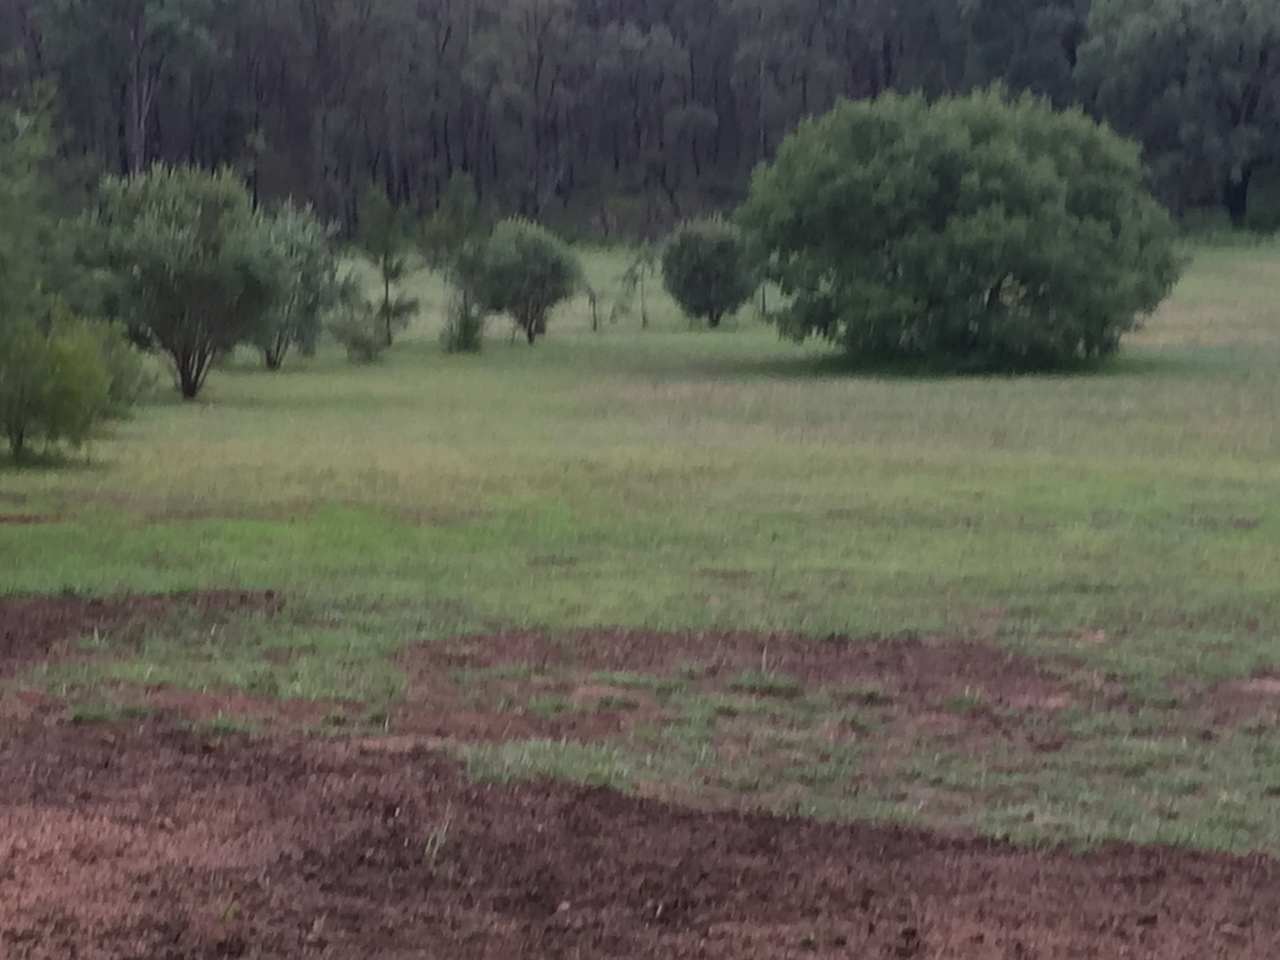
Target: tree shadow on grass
x,y
47,461
837,365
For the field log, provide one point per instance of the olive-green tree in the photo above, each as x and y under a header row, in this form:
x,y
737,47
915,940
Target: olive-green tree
x,y
522,270
54,385
706,269
978,230
53,379
387,240
196,267
309,285
451,240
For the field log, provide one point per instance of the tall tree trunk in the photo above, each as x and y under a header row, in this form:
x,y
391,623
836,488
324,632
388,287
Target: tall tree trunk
x,y
188,380
386,303
138,96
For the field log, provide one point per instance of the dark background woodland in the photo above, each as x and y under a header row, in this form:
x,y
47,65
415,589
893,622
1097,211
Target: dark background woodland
x,y
614,116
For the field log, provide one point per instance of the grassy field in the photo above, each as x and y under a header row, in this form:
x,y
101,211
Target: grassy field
x,y
1121,526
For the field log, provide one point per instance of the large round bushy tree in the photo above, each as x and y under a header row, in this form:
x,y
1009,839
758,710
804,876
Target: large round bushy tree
x,y
979,230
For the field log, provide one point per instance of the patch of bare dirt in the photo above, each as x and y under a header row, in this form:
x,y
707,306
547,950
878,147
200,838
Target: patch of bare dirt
x,y
157,845
200,707
25,520
440,704
39,628
977,685
917,667
1245,701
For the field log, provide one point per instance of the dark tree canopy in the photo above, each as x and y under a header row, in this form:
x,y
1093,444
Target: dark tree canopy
x,y
1198,83
705,268
611,115
979,230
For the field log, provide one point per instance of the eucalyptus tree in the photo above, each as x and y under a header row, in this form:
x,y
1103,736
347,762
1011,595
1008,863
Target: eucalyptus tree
x,y
1198,82
197,268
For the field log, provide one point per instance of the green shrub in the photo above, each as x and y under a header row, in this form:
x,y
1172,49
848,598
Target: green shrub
x,y
522,270
706,270
979,230
463,330
309,286
357,325
53,385
129,377
195,267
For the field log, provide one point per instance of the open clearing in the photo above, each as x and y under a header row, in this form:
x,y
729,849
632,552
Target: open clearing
x,y
659,644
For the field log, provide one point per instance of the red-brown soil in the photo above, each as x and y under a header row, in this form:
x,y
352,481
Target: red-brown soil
x,y
146,843
944,688
921,669
39,628
1241,702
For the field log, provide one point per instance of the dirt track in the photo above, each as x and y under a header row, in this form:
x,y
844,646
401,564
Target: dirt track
x,y
147,843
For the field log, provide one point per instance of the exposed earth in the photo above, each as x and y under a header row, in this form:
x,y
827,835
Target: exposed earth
x,y
145,838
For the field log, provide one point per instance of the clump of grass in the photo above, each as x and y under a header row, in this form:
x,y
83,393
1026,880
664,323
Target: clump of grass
x,y
97,714
660,686
867,696
969,703
764,683
551,705
618,704
227,726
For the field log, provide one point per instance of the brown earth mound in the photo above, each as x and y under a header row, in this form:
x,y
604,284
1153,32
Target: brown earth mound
x,y
149,844
39,628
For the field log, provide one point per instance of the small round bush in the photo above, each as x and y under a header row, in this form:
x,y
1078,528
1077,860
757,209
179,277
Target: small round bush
x,y
706,270
54,384
522,270
981,231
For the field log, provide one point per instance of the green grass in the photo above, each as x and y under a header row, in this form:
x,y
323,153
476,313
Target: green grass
x,y
518,760
273,658
97,714
683,480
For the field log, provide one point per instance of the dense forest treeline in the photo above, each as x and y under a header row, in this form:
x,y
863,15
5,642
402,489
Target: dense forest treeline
x,y
615,115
